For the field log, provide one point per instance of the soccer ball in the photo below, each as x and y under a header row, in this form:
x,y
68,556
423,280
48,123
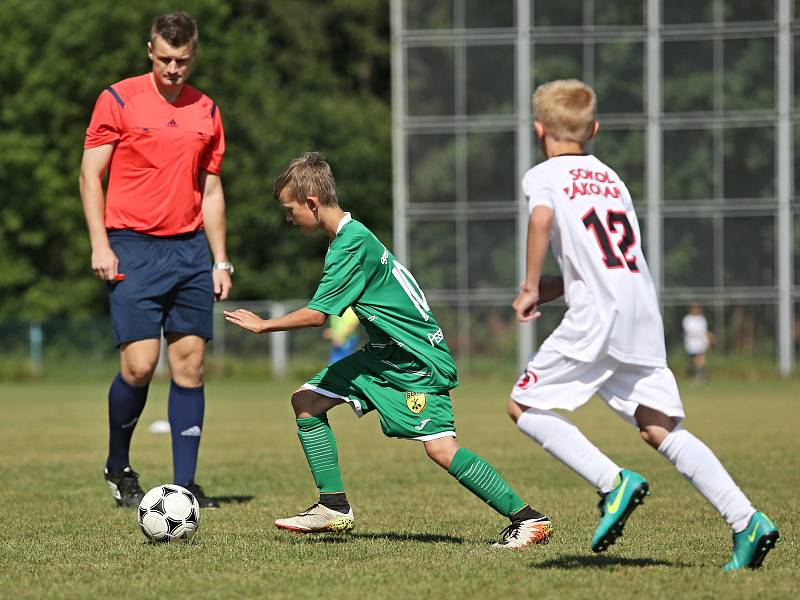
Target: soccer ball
x,y
169,513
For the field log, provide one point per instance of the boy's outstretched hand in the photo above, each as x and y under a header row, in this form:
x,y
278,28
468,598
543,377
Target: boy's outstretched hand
x,y
245,319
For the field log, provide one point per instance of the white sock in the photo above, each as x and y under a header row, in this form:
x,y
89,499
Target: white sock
x,y
566,442
695,461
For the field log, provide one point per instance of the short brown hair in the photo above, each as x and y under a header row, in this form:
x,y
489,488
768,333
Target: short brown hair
x,y
566,108
177,29
307,175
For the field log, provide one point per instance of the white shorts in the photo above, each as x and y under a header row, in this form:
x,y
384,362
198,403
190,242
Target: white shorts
x,y
696,348
553,381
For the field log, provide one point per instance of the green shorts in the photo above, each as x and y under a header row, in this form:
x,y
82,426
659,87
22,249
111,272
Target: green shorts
x,y
360,380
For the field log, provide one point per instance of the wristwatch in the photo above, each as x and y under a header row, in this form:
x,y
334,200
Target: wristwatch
x,y
224,266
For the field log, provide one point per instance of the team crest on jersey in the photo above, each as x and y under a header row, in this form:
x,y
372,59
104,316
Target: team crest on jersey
x,y
526,379
415,402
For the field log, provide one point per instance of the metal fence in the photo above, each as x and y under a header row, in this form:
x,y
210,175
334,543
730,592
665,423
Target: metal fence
x,y
85,348
698,105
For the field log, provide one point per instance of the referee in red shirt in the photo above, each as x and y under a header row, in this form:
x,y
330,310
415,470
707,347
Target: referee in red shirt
x,y
161,142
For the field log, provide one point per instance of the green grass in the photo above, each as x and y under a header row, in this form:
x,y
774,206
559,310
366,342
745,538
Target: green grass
x,y
418,533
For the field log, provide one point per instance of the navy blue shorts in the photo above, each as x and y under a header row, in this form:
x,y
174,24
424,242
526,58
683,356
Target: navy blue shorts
x,y
167,284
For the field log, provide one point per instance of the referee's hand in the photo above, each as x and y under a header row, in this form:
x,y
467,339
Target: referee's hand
x,y
105,263
222,283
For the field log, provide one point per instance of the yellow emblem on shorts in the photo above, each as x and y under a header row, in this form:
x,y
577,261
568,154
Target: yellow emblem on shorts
x,y
415,402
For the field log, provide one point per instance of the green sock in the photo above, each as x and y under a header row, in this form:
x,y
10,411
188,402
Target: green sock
x,y
319,445
481,479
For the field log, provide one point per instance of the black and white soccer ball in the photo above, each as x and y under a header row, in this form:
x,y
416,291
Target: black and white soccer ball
x,y
169,513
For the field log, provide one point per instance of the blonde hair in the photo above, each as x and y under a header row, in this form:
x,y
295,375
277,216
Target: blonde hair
x,y
307,175
566,108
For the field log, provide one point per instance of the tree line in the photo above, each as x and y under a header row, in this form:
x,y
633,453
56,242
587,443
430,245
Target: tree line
x,y
288,75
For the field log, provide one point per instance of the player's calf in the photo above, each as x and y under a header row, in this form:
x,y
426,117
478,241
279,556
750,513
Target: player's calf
x,y
527,527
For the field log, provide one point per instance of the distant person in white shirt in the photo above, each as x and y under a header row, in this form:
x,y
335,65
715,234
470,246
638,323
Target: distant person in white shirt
x,y
696,340
611,339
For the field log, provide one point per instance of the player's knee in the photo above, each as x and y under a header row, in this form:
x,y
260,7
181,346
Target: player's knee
x,y
653,435
442,451
514,410
438,456
654,426
137,378
188,370
297,401
189,373
138,373
305,404
646,436
189,379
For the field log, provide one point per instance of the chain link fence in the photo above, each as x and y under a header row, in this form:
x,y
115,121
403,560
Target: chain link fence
x,y
698,105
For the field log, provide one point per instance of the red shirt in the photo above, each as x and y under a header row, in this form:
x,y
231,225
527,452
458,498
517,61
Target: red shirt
x,y
153,183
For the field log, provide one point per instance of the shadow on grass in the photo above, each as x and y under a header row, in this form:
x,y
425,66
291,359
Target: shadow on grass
x,y
429,538
582,561
233,499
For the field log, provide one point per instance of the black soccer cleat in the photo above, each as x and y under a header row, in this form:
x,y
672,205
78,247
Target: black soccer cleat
x,y
203,500
125,487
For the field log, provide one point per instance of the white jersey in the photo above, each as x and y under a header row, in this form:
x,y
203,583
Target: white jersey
x,y
613,308
695,334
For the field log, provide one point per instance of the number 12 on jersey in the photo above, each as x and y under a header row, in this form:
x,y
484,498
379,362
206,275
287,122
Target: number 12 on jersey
x,y
602,234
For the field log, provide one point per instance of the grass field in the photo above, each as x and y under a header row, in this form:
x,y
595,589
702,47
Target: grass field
x,y
418,533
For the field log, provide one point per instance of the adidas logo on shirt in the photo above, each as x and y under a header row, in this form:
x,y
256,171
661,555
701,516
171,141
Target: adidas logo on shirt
x,y
172,123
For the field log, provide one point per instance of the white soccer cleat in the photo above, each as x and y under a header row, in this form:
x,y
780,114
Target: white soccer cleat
x,y
524,533
318,519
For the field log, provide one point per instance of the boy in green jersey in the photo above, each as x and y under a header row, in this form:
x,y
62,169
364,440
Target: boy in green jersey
x,y
405,372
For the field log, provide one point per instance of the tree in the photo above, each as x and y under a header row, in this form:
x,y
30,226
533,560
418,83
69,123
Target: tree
x,y
288,76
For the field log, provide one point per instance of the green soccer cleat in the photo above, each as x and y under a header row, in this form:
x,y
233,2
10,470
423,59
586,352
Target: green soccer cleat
x,y
616,506
751,545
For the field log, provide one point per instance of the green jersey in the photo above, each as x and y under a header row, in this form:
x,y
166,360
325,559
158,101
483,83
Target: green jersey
x,y
360,272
